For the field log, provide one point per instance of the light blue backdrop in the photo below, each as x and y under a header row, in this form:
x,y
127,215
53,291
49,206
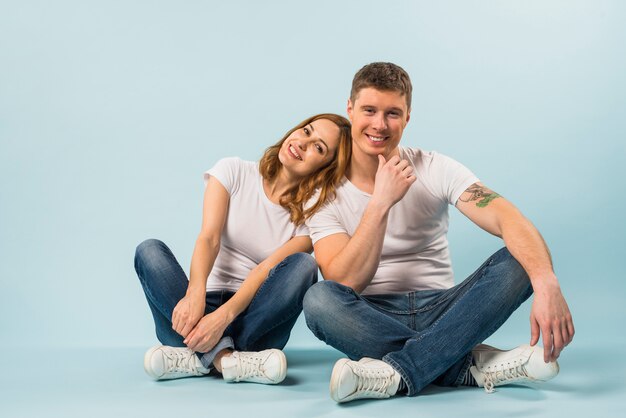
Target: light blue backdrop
x,y
111,110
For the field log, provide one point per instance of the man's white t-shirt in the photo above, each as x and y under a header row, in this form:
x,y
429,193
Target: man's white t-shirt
x,y
255,227
415,254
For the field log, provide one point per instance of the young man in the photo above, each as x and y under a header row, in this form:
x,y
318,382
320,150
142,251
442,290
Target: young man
x,y
389,300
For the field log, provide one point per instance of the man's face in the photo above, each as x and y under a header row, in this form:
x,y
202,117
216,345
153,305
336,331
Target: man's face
x,y
378,119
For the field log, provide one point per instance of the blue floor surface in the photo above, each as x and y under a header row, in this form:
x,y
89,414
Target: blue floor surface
x,y
112,383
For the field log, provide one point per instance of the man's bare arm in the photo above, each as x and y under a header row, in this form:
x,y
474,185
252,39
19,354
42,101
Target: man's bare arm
x,y
353,261
550,315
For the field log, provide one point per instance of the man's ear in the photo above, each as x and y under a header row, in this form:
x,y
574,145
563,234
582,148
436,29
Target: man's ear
x,y
349,109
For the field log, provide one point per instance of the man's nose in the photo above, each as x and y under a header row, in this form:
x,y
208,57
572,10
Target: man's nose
x,y
379,122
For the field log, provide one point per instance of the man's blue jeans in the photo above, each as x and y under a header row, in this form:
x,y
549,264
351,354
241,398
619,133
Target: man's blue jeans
x,y
427,336
266,323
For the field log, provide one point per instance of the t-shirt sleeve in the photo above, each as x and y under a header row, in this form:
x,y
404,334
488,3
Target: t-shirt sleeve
x,y
225,171
323,223
301,230
449,178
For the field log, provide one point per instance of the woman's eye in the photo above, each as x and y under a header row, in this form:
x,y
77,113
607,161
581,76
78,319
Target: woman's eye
x,y
319,148
306,131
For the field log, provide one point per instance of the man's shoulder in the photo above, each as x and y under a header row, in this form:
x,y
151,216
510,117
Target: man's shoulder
x,y
419,155
427,161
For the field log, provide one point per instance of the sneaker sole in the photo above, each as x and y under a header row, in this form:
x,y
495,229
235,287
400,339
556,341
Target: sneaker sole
x,y
334,379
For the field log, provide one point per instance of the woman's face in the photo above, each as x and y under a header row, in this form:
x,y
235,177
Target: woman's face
x,y
310,148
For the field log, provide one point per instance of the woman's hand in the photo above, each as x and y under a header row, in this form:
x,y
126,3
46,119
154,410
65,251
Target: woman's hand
x,y
207,333
187,313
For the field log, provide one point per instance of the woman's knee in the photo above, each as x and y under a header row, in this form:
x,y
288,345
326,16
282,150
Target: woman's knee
x,y
148,253
303,268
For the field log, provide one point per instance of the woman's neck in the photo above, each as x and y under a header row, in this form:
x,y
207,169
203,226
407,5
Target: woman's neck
x,y
279,186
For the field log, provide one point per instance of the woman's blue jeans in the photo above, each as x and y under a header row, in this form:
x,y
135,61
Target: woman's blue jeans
x,y
266,323
427,336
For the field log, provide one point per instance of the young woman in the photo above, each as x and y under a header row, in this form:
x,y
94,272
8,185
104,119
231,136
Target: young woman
x,y
250,266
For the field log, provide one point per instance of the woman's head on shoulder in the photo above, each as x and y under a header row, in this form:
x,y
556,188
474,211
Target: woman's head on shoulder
x,y
317,152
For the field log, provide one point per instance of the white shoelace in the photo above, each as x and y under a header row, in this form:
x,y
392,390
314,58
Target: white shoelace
x,y
249,366
373,382
507,374
180,361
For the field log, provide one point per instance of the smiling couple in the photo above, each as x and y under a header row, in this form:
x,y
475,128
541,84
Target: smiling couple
x,y
376,215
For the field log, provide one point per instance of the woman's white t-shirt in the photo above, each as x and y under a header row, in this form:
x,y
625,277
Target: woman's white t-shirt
x,y
255,227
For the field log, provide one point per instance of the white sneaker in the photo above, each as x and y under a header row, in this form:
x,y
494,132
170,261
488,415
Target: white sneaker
x,y
162,362
366,378
267,366
523,364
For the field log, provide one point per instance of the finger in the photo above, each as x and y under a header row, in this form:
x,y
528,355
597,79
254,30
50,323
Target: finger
x,y
203,348
208,344
571,330
534,332
558,343
547,344
407,171
381,161
402,164
394,160
190,339
176,321
567,336
204,345
186,328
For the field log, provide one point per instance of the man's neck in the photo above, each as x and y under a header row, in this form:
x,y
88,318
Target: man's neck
x,y
362,170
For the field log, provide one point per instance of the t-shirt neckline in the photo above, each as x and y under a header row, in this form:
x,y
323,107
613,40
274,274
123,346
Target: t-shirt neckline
x,y
352,186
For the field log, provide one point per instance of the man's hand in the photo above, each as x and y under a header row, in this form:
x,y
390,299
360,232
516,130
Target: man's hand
x,y
393,179
550,317
187,313
208,332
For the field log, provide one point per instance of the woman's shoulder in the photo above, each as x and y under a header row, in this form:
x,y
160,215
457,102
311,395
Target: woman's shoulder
x,y
235,162
232,171
237,166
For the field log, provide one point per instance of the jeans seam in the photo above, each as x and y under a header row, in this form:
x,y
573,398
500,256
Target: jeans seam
x,y
149,293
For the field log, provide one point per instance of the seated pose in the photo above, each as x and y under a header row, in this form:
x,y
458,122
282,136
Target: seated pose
x,y
250,266
389,301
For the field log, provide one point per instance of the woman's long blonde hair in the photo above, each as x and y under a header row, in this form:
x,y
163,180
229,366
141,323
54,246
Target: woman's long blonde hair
x,y
325,179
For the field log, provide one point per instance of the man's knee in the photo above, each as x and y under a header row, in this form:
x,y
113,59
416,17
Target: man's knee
x,y
320,301
512,271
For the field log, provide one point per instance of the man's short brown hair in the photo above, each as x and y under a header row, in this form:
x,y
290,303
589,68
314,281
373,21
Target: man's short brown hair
x,y
383,76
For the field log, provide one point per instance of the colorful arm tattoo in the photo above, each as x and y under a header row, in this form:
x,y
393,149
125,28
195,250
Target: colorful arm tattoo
x,y
480,193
